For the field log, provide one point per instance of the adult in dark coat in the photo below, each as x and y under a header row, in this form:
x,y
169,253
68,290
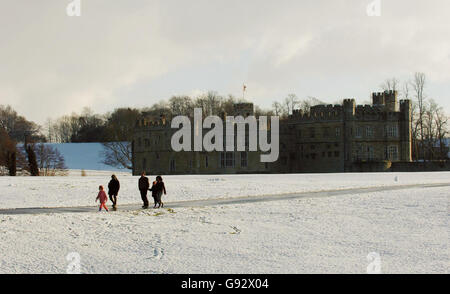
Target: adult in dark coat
x,y
113,190
144,184
157,189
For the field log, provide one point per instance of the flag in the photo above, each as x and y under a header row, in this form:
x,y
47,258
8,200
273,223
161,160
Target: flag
x,y
244,88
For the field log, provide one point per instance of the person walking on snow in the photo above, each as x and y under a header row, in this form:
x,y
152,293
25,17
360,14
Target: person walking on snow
x,y
157,189
113,190
103,198
143,185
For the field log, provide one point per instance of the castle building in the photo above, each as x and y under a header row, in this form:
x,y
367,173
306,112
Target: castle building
x,y
152,151
347,137
328,138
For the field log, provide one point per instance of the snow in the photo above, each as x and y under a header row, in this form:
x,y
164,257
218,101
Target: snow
x,y
408,228
76,190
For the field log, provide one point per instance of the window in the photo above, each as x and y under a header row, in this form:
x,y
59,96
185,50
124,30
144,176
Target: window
x,y
393,152
139,142
358,132
359,152
330,154
172,165
326,132
338,132
244,159
336,153
369,131
312,133
226,159
370,153
392,131
222,160
229,159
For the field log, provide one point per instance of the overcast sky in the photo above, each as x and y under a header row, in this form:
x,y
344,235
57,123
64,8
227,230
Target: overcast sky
x,y
137,52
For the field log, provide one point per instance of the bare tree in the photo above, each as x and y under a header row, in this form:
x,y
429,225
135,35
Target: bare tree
x,y
181,105
117,154
277,108
391,84
442,131
32,162
8,153
306,104
415,130
17,126
119,134
418,85
429,128
406,90
49,160
290,102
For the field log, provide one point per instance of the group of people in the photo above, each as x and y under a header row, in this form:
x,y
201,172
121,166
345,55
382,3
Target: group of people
x,y
157,188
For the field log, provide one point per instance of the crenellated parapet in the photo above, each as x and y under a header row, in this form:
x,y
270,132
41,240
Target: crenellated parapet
x,y
384,108
387,99
375,112
319,112
152,122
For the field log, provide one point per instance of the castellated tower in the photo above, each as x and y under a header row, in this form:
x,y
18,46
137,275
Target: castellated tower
x,y
349,107
388,99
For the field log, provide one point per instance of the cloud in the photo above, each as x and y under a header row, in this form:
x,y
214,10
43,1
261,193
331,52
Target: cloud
x,y
120,53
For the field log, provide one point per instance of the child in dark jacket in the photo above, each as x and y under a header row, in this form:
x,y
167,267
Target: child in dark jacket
x,y
103,198
157,189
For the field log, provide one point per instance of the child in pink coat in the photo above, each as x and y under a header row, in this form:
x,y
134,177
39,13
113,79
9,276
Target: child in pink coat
x,y
103,198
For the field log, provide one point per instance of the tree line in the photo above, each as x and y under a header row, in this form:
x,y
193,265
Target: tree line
x,y
31,156
115,129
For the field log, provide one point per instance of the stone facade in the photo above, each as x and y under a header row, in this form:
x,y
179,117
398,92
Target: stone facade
x,y
329,138
153,154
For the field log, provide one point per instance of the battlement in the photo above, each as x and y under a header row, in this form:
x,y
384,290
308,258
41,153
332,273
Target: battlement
x,y
387,99
384,108
149,122
319,112
375,112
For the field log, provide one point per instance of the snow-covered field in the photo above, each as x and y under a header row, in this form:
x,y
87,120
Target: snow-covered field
x,y
407,228
76,190
82,155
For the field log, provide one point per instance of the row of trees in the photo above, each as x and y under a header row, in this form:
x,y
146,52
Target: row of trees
x,y
114,129
32,158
